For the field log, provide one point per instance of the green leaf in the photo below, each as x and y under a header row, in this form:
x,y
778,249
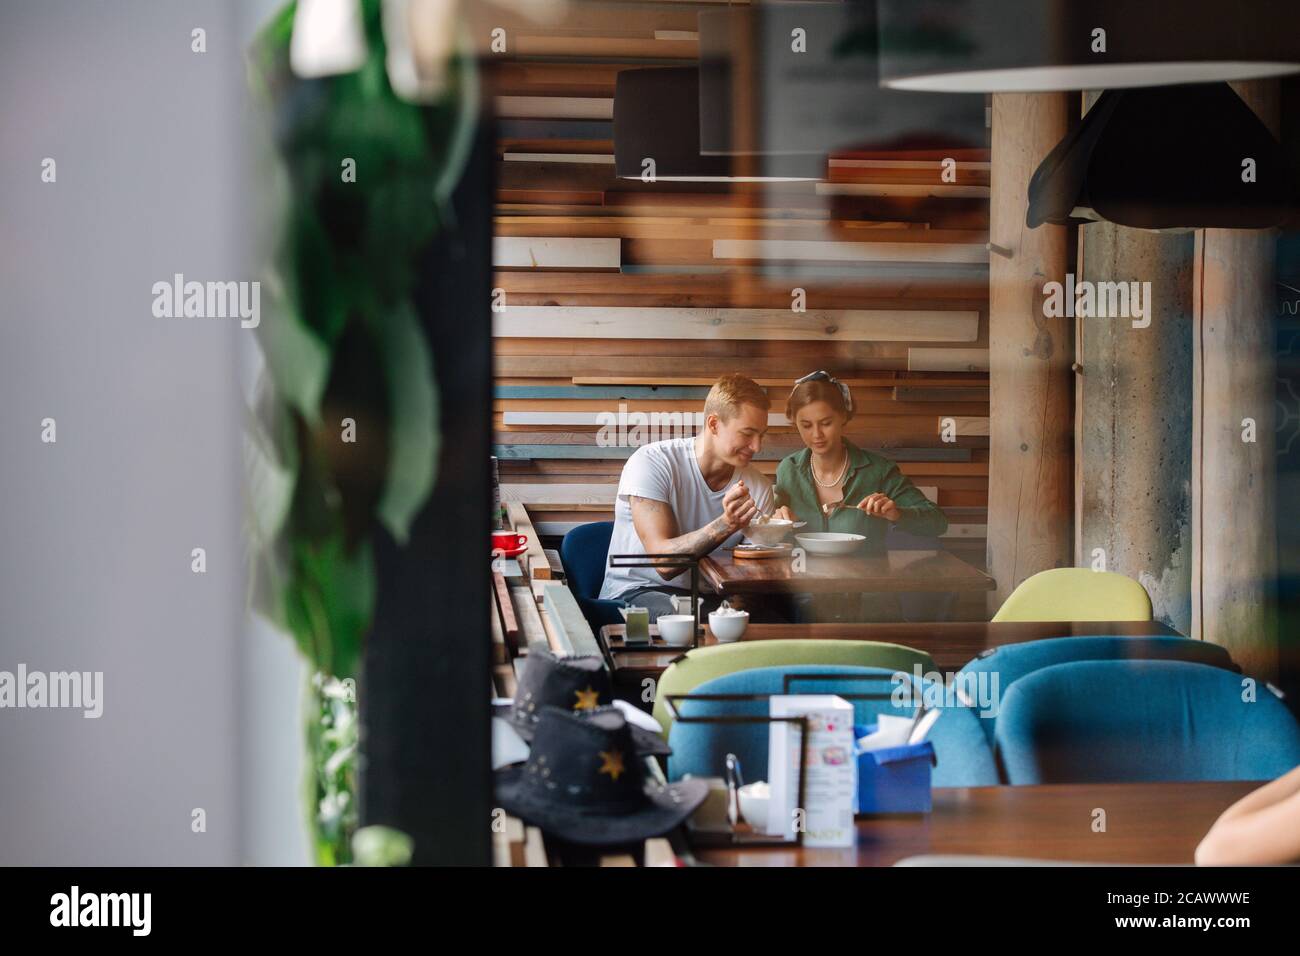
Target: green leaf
x,y
413,428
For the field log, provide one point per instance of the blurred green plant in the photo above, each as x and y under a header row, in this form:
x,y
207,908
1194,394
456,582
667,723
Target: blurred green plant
x,y
342,342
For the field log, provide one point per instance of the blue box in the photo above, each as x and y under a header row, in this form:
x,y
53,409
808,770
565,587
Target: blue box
x,y
895,779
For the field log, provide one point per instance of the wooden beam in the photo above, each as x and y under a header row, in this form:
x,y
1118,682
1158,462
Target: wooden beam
x,y
1031,466
1234,462
555,107
555,253
566,618
594,451
811,250
947,360
523,321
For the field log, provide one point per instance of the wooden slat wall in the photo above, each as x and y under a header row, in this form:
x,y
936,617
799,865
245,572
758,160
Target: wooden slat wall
x,y
891,260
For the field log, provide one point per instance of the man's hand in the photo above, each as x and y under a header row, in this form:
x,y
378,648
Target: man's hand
x,y
738,508
880,505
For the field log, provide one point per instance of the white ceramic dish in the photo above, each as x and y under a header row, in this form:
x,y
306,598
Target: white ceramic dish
x,y
676,630
728,628
754,800
770,532
830,542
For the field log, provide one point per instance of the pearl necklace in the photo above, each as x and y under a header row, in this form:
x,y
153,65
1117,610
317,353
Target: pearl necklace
x,y
838,478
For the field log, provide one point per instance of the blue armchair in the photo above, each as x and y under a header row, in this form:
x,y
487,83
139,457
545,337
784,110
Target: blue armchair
x,y
584,553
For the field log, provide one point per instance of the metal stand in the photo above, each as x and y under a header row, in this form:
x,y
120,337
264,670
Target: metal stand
x,y
672,562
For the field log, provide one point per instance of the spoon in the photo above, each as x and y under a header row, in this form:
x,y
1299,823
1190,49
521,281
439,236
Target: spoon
x,y
830,507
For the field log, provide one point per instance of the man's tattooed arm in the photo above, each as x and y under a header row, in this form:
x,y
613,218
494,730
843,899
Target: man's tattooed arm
x,y
656,526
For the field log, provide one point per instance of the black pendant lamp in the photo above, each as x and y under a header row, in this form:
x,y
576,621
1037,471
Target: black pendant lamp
x,y
806,77
1170,157
990,46
657,117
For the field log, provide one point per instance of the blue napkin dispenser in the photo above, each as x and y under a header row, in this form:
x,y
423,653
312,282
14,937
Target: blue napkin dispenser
x,y
895,779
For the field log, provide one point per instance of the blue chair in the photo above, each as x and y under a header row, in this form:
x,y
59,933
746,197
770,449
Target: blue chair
x,y
1135,721
964,757
1010,662
584,553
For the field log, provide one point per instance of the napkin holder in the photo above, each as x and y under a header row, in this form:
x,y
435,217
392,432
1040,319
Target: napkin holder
x,y
894,779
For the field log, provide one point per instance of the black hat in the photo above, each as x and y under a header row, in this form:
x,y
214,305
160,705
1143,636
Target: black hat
x,y
570,683
1164,158
584,783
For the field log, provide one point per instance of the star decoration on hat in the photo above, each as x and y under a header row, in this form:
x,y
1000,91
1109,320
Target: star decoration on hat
x,y
613,764
587,699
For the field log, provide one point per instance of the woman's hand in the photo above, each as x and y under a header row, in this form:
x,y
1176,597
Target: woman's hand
x,y
880,505
785,513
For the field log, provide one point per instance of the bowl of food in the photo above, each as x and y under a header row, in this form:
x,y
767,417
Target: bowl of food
x,y
830,542
728,624
770,532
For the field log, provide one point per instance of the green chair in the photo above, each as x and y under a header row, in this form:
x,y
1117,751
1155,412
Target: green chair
x,y
1076,594
706,663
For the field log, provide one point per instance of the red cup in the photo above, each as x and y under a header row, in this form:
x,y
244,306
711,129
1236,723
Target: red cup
x,y
508,540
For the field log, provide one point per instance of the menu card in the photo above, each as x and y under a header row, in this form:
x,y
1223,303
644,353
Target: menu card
x,y
830,770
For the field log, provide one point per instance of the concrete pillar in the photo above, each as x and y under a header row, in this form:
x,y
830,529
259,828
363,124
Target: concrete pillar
x,y
1233,480
1135,430
1031,444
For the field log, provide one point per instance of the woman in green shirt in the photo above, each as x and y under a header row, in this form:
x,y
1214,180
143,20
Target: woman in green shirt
x,y
863,492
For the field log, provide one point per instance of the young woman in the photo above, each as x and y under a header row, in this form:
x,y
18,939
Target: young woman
x,y
863,492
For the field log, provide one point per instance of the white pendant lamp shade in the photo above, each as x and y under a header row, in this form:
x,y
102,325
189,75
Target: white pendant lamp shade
x,y
1001,46
329,38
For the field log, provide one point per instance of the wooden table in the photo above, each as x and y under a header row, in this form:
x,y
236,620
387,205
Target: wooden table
x,y
951,643
1146,823
887,571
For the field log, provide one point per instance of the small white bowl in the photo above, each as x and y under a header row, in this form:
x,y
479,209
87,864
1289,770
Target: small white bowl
x,y
728,628
770,532
830,542
754,800
677,630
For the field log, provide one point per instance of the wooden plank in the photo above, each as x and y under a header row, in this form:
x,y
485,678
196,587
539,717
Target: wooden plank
x,y
866,325
694,392
866,402
606,47
619,859
554,253
911,393
811,250
522,524
504,681
947,360
566,617
904,190
506,613
659,852
531,629
537,129
500,652
555,107
598,452
601,159
534,848
964,425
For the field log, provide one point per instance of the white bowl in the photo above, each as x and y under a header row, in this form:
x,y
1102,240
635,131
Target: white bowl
x,y
769,533
728,627
830,542
754,800
677,630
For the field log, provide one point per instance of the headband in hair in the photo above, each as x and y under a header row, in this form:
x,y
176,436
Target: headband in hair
x,y
827,377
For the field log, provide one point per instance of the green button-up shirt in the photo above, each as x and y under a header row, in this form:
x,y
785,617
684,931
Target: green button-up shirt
x,y
868,473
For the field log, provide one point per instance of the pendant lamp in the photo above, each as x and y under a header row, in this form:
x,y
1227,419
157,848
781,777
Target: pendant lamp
x,y
1172,157
991,46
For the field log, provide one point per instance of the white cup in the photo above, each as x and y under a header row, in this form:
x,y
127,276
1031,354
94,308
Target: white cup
x,y
677,630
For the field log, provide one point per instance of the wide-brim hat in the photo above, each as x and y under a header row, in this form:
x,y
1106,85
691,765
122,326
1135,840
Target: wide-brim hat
x,y
584,783
575,684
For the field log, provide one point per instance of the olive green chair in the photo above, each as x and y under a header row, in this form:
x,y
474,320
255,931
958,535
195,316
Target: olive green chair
x,y
706,663
1076,594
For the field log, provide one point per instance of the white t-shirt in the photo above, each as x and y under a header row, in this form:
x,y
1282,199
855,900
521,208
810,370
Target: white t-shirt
x,y
668,471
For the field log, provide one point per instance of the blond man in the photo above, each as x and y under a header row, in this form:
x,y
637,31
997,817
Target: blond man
x,y
690,496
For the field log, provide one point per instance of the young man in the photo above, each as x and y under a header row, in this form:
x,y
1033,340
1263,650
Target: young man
x,y
690,496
